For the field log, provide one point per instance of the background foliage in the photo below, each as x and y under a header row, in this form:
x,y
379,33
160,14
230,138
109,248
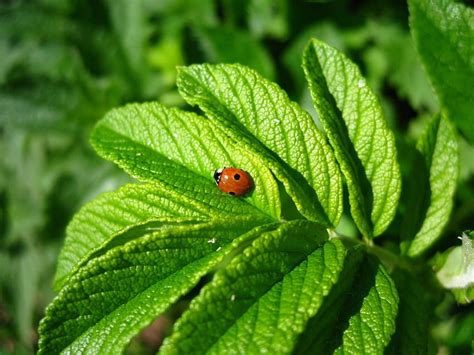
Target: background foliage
x,y
63,64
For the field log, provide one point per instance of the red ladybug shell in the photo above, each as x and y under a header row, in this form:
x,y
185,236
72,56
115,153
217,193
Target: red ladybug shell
x,y
233,181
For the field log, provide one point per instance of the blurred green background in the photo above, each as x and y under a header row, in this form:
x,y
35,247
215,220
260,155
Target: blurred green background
x,y
64,63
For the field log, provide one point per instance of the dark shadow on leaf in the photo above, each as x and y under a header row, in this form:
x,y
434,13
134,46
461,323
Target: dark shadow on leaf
x,y
416,196
324,332
416,310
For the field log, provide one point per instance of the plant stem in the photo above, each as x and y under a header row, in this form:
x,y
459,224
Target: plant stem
x,y
388,258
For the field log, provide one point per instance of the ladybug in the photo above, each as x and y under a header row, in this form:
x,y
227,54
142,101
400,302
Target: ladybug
x,y
233,181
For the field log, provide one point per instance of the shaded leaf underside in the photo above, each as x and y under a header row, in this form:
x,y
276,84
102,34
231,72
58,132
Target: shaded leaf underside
x,y
358,315
439,150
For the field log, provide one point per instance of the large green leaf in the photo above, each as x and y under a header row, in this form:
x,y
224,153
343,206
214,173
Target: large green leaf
x,y
262,300
114,215
430,206
363,144
443,32
180,150
358,316
120,292
283,136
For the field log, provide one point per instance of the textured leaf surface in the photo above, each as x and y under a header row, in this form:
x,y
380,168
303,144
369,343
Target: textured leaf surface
x,y
118,293
358,316
443,31
363,144
262,300
371,328
260,115
115,214
438,147
180,150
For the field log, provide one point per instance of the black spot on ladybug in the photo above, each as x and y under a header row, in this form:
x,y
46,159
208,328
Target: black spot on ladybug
x,y
237,177
232,193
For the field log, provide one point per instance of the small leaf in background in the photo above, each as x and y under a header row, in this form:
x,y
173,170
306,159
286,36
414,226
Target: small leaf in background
x,y
268,18
456,331
22,271
401,67
181,149
430,206
280,134
363,144
39,108
227,45
263,298
129,20
389,59
443,32
457,270
114,296
325,31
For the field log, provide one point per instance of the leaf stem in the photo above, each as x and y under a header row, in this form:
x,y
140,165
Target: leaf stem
x,y
388,258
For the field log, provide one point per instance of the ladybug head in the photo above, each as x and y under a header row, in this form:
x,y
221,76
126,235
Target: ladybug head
x,y
217,175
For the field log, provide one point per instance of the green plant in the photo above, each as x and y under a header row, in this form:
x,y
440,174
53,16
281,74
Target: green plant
x,y
283,277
